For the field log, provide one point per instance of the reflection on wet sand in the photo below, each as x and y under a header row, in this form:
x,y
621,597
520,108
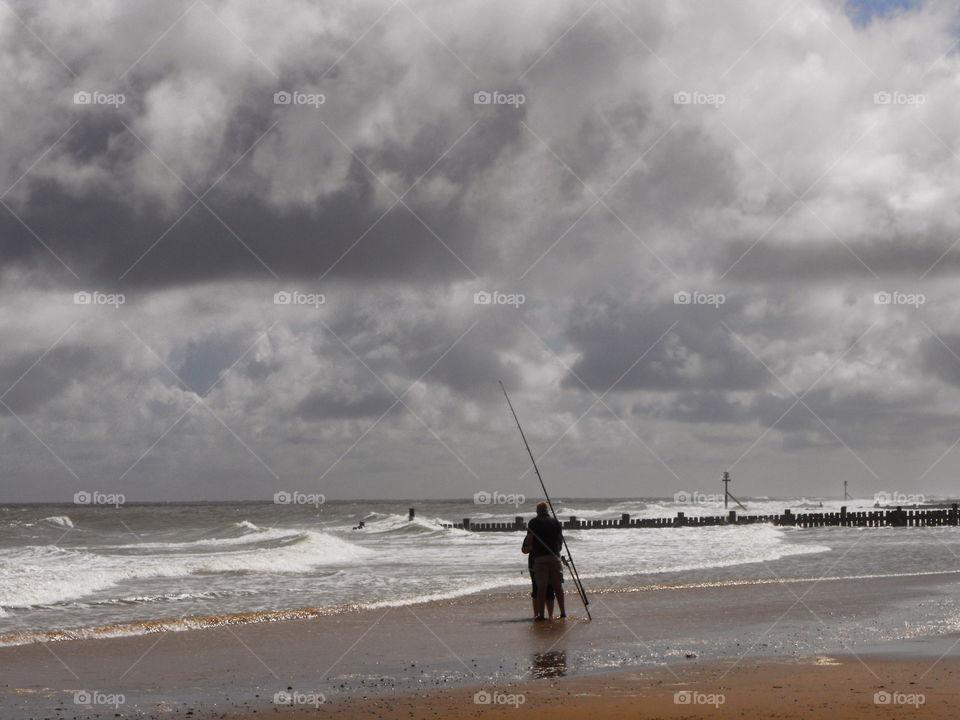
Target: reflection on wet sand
x,y
549,664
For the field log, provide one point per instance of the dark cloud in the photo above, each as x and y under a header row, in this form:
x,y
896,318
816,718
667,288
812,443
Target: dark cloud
x,y
699,352
940,356
832,259
861,419
27,388
327,405
706,407
439,347
107,240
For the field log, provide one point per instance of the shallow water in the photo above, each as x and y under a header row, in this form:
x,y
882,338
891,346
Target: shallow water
x,y
89,567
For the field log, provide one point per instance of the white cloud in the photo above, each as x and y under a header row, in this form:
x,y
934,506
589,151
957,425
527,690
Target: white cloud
x,y
700,190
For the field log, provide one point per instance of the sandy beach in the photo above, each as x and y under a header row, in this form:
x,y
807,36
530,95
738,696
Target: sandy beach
x,y
762,646
816,687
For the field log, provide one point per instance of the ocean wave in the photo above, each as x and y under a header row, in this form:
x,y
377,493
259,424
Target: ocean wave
x,y
162,597
238,534
59,520
247,525
379,523
639,508
46,575
701,502
146,627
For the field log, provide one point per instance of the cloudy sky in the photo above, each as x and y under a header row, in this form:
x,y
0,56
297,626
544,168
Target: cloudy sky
x,y
246,246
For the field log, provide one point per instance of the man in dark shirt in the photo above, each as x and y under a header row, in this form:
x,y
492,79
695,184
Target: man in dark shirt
x,y
547,570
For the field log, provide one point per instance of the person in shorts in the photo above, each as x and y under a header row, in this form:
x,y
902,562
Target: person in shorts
x,y
527,547
547,569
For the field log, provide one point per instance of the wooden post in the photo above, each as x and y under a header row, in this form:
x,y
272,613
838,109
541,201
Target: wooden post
x,y
412,513
901,517
898,516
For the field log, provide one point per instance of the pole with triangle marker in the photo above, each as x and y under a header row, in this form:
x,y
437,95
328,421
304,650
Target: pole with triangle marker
x,y
568,560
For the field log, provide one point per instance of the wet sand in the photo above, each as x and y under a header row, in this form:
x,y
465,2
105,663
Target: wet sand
x,y
406,660
817,687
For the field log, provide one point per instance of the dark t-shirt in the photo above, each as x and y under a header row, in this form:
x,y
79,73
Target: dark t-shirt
x,y
547,536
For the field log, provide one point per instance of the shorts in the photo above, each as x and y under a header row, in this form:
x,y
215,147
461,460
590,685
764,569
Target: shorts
x,y
547,571
533,592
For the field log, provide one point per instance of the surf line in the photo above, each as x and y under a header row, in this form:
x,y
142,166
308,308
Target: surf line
x,y
568,560
770,581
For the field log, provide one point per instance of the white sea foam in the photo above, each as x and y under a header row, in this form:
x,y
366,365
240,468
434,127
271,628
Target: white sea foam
x,y
43,575
59,520
648,551
247,525
249,534
383,523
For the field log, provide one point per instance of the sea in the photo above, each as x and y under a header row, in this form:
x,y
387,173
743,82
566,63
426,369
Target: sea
x,y
73,571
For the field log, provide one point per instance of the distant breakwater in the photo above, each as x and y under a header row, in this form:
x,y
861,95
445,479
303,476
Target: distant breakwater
x,y
897,517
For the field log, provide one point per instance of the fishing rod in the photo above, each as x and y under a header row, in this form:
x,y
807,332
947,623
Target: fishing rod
x,y
569,557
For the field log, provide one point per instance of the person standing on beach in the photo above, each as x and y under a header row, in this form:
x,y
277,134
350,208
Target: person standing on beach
x,y
527,550
547,570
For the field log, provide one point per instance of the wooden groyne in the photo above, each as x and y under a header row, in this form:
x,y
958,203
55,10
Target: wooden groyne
x,y
867,518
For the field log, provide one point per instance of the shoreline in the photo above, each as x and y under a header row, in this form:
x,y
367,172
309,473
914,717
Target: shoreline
x,y
369,657
143,627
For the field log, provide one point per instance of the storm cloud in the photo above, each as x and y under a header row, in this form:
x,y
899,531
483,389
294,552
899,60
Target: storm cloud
x,y
329,231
